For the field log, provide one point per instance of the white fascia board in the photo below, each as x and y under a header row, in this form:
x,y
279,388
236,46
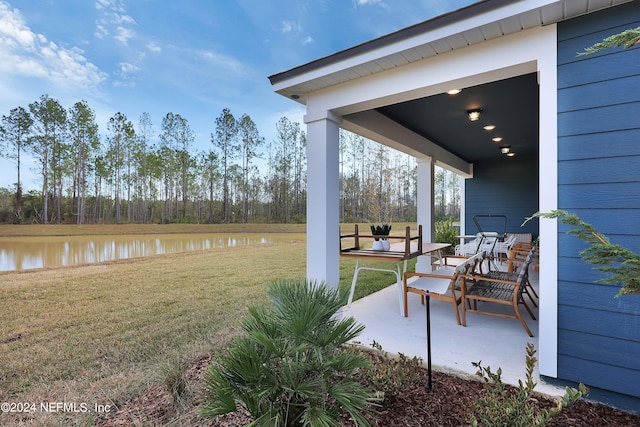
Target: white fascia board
x,y
416,41
493,60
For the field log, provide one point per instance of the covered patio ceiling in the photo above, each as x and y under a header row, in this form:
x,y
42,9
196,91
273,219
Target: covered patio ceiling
x,y
511,105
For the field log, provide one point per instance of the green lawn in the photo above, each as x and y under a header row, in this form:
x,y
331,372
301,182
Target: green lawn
x,y
100,334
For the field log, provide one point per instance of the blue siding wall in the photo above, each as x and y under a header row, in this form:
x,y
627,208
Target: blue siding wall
x,y
508,186
598,179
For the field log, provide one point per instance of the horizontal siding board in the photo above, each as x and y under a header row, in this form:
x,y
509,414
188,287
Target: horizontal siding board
x,y
626,224
488,193
594,374
599,297
602,119
600,68
619,326
609,351
575,270
621,196
624,15
600,171
598,179
571,246
617,143
568,49
618,91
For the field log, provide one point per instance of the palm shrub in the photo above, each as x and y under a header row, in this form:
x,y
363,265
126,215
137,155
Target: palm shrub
x,y
289,367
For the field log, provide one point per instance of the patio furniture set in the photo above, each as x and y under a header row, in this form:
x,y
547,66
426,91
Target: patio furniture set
x,y
458,279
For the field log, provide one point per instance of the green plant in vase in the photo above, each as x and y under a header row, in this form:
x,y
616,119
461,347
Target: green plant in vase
x,y
381,243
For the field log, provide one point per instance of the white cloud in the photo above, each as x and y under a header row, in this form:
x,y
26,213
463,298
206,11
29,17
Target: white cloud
x,y
124,73
291,27
154,47
307,40
28,54
367,2
123,19
224,62
13,29
127,68
114,21
123,34
101,32
115,5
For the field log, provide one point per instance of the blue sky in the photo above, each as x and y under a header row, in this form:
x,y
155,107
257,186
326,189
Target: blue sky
x,y
189,57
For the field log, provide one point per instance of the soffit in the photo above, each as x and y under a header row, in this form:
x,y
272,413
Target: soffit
x,y
428,39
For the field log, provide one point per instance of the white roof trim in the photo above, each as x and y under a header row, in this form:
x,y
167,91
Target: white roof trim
x,y
479,22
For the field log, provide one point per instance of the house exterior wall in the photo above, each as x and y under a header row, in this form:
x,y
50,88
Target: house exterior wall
x,y
599,180
509,187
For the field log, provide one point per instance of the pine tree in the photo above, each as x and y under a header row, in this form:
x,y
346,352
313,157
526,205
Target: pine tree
x,y
621,263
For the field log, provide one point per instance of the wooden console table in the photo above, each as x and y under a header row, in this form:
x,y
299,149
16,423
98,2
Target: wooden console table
x,y
407,248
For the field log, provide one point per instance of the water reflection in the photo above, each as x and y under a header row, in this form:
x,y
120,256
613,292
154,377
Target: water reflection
x,y
36,252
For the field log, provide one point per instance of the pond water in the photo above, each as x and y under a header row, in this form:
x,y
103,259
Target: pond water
x,y
25,253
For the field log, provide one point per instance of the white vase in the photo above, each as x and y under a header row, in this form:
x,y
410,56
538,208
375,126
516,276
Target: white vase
x,y
385,245
377,245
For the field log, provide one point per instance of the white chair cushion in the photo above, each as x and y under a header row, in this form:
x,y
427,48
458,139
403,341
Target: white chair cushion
x,y
431,284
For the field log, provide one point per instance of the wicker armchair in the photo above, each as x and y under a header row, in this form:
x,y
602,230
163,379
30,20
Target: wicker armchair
x,y
498,291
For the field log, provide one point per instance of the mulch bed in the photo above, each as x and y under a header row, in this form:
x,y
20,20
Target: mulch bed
x,y
447,404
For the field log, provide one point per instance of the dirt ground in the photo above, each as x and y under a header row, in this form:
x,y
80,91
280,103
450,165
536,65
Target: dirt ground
x,y
447,404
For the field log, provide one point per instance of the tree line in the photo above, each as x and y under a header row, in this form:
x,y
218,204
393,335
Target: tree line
x,y
131,174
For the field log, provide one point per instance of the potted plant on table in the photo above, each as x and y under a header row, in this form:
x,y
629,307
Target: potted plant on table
x,y
381,243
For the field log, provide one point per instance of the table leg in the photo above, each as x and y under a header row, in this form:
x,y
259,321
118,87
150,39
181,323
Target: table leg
x,y
399,275
353,283
401,267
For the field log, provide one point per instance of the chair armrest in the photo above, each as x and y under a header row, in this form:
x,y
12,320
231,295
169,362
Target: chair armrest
x,y
435,276
459,257
479,277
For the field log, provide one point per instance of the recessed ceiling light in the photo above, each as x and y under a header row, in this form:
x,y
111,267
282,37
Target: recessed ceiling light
x,y
474,115
454,91
505,150
497,139
511,154
490,127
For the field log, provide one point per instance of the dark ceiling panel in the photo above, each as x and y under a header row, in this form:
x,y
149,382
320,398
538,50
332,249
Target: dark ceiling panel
x,y
511,105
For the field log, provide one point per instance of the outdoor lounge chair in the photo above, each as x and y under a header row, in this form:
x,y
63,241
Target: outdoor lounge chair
x,y
469,248
517,256
483,243
443,283
487,289
504,247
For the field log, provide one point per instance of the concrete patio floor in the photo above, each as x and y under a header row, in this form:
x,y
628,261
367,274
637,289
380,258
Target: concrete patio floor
x,y
497,342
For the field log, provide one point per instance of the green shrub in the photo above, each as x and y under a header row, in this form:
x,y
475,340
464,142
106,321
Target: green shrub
x,y
502,405
389,376
445,232
289,368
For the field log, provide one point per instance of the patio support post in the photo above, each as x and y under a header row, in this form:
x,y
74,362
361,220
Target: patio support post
x,y
425,205
323,226
548,201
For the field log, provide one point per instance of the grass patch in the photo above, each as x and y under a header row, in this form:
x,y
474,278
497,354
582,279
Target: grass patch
x,y
103,333
7,230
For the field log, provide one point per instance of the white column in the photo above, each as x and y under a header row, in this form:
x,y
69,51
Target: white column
x,y
463,207
425,205
323,227
548,199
